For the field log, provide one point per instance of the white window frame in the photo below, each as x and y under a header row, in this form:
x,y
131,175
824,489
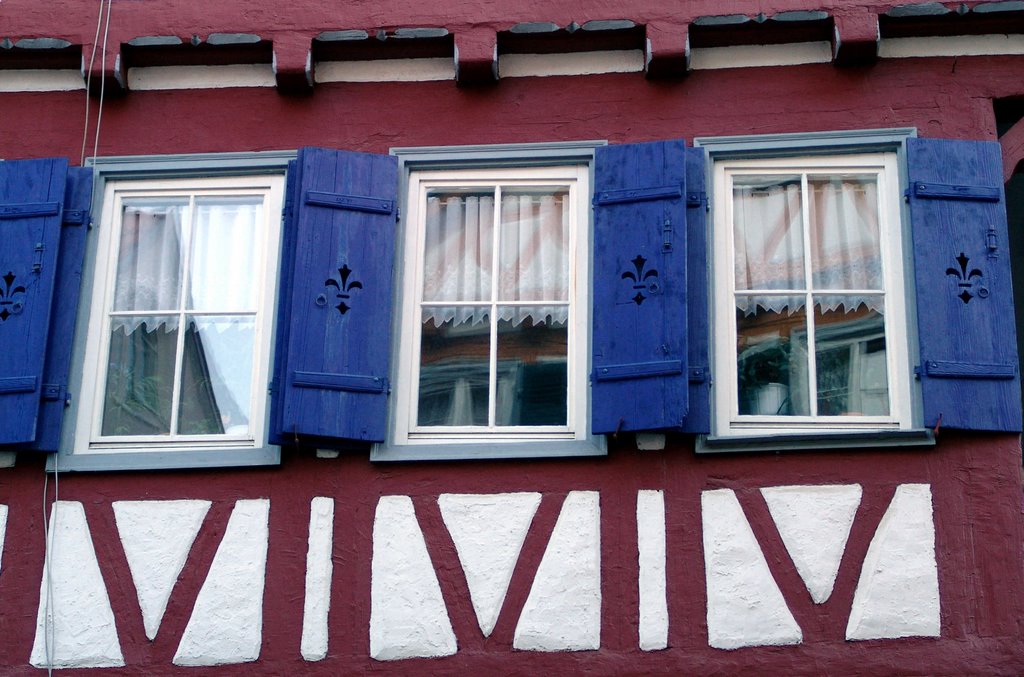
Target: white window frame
x,y
727,422
82,448
575,178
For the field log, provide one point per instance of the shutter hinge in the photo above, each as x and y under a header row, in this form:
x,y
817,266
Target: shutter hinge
x,y
991,242
949,191
359,203
976,370
696,199
698,374
74,217
272,386
37,265
54,392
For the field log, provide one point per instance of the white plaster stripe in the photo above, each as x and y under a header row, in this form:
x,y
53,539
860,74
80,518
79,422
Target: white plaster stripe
x,y
41,80
488,531
75,626
951,45
201,77
745,605
754,56
386,70
570,63
319,570
157,537
814,523
898,591
563,610
226,625
650,532
408,617
3,532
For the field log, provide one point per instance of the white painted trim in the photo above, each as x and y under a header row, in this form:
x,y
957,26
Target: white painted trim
x,y
319,571
570,63
41,80
87,440
201,77
756,56
576,178
8,458
951,45
386,70
727,420
650,532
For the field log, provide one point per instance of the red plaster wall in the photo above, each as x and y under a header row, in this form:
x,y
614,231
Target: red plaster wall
x,y
975,479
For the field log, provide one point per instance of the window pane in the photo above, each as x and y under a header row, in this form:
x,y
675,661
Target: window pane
x,y
845,249
140,376
458,246
771,348
851,357
534,243
216,376
768,232
454,369
149,259
223,267
532,369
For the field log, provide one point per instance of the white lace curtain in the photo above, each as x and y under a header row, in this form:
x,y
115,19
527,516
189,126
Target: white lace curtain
x,y
844,244
151,260
532,265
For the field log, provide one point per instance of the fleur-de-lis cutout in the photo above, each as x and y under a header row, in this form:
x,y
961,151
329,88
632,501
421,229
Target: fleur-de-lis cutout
x,y
640,279
344,287
965,279
9,305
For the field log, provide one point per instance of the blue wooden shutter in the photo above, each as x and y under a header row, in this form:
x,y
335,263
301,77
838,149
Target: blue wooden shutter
x,y
335,313
968,368
698,417
640,376
67,288
31,210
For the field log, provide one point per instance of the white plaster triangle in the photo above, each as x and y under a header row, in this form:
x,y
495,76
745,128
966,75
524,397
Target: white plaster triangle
x,y
488,531
157,537
226,625
745,605
563,610
898,591
3,531
814,523
408,617
75,624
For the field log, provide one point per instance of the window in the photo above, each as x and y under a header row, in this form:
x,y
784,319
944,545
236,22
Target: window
x,y
493,329
810,328
180,317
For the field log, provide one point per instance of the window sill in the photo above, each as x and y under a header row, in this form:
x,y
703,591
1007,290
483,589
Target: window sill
x,y
483,451
165,460
711,444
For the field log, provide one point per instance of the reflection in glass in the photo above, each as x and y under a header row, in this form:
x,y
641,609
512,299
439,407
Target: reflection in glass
x,y
140,376
149,259
532,373
771,348
768,232
454,371
533,248
851,357
216,376
845,244
458,246
224,249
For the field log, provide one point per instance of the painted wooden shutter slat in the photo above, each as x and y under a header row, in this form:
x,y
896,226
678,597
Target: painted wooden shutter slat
x,y
968,369
77,198
339,305
640,287
28,266
698,415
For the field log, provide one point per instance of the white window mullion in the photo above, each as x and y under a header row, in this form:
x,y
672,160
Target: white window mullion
x,y
492,381
179,350
812,361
